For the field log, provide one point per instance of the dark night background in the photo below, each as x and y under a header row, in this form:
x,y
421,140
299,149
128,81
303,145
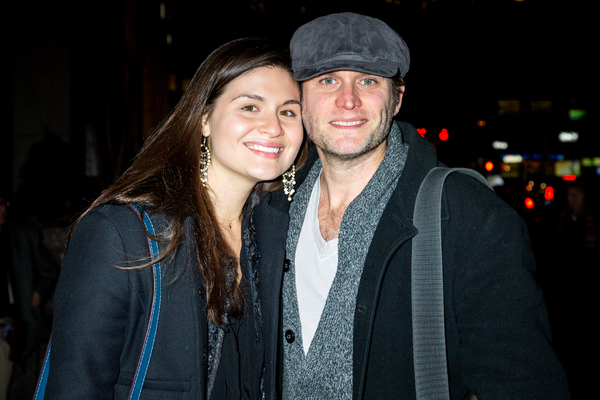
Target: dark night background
x,y
87,81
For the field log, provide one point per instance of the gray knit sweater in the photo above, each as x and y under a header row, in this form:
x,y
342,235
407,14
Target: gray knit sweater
x,y
326,371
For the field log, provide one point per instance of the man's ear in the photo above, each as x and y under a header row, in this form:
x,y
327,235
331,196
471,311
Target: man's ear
x,y
400,95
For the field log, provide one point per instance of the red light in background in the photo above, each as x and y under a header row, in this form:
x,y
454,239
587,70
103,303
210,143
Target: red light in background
x,y
422,131
529,203
443,134
489,166
549,193
569,177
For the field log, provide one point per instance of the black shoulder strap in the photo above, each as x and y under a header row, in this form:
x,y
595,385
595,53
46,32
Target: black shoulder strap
x,y
429,339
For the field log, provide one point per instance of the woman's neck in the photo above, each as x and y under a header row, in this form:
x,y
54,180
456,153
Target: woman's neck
x,y
228,199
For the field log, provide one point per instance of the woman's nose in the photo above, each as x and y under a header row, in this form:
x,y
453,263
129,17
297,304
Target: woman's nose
x,y
271,125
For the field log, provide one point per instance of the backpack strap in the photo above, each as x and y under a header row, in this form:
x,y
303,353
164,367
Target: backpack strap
x,y
427,287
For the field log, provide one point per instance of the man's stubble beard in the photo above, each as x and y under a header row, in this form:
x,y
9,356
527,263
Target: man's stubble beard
x,y
374,139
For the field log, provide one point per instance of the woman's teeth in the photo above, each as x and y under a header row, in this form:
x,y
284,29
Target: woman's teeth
x,y
264,149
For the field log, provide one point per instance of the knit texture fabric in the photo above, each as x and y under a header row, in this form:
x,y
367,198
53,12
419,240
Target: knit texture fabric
x,y
326,371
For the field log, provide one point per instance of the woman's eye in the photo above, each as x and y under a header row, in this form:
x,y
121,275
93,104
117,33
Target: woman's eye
x,y
287,113
250,108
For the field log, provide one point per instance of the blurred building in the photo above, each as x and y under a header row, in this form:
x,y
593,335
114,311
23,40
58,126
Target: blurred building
x,y
507,82
99,76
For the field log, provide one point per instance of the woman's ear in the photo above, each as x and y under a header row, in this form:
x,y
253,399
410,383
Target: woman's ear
x,y
205,126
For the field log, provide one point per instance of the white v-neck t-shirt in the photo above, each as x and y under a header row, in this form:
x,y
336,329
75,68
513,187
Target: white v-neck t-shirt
x,y
315,267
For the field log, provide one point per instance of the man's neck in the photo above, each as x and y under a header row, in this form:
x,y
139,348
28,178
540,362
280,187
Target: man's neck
x,y
341,182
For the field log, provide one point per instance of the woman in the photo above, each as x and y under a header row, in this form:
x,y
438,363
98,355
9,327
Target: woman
x,y
235,132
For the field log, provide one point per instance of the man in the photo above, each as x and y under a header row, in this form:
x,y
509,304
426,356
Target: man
x,y
346,314
27,277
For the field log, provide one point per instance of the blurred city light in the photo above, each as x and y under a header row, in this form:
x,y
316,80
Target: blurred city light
x,y
541,106
529,203
495,180
549,193
568,137
499,145
509,107
567,168
590,162
489,166
512,158
575,115
443,135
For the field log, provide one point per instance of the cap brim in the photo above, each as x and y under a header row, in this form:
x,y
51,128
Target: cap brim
x,y
380,68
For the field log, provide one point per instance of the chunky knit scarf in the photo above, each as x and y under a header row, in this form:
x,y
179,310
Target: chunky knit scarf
x,y
326,371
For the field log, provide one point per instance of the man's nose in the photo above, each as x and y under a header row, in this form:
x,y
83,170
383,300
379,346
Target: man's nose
x,y
348,97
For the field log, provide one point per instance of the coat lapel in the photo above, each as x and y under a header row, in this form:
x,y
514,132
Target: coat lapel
x,y
393,231
271,231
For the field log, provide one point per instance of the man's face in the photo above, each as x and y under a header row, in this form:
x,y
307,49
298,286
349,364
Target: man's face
x,y
348,114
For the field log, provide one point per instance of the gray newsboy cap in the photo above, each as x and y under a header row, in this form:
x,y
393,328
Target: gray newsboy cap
x,y
348,41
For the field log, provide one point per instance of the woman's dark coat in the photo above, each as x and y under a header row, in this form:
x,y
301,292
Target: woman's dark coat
x,y
101,313
497,329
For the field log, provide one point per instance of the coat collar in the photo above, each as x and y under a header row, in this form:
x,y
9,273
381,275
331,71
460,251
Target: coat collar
x,y
421,158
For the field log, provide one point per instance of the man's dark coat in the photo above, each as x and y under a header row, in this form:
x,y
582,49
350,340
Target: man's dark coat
x,y
497,329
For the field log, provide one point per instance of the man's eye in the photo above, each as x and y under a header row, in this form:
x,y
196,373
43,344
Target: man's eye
x,y
250,108
328,81
368,81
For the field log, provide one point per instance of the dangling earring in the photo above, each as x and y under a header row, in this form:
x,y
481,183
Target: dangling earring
x,y
289,180
204,161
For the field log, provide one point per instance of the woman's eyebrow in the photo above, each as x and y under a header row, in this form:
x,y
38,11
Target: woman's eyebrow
x,y
260,98
250,96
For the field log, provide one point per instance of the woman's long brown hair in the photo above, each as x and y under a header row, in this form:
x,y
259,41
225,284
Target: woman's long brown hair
x,y
165,176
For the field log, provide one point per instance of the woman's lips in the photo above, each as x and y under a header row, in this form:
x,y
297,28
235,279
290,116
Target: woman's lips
x,y
264,149
273,151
